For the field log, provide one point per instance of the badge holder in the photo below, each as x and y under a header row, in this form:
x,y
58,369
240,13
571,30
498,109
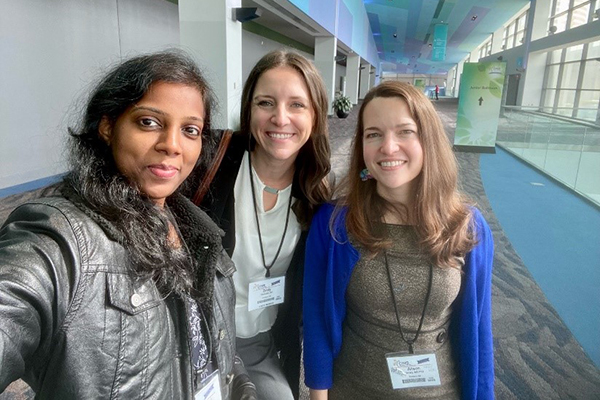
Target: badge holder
x,y
413,370
211,390
266,293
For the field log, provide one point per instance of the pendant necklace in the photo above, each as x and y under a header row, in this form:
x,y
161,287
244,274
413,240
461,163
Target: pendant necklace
x,y
287,218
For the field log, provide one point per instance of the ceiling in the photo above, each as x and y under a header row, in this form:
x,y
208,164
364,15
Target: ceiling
x,y
403,29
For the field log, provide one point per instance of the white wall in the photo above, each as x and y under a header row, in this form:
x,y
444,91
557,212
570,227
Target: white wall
x,y
255,46
51,52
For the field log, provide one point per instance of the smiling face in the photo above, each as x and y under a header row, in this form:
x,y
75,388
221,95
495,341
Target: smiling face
x,y
391,148
282,115
157,141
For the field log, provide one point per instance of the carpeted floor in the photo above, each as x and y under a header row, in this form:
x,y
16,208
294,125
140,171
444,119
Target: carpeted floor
x,y
536,356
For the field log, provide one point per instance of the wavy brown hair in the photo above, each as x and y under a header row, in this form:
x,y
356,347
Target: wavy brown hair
x,y
439,211
313,161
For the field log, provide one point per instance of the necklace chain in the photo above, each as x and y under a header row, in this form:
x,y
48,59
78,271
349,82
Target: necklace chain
x,y
287,219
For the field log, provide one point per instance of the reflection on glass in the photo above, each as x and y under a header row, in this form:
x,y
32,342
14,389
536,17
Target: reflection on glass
x,y
591,75
552,76
593,50
549,100
560,23
574,53
570,75
561,5
580,16
588,105
567,151
555,56
578,2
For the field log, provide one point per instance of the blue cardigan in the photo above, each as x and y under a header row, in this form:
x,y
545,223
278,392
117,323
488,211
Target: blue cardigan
x,y
328,267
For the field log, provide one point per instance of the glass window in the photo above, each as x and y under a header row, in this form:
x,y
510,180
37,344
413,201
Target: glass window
x,y
594,50
574,53
561,5
520,38
580,16
570,75
588,104
521,23
560,23
578,2
552,76
549,100
591,75
555,56
566,99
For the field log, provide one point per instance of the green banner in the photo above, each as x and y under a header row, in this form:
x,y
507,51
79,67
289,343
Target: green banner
x,y
479,104
440,35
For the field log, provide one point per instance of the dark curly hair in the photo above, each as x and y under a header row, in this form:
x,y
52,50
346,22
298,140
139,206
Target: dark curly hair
x,y
96,183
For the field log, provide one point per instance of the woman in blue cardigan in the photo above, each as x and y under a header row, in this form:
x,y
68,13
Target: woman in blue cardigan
x,y
397,293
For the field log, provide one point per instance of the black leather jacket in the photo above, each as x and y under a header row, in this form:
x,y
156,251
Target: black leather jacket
x,y
76,324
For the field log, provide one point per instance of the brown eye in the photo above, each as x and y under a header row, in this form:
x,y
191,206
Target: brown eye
x,y
192,131
265,103
148,122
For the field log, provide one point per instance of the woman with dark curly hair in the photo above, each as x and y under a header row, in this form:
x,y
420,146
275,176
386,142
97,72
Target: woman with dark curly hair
x,y
397,290
120,288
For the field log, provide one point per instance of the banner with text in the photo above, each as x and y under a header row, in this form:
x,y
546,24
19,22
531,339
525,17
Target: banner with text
x,y
479,102
440,36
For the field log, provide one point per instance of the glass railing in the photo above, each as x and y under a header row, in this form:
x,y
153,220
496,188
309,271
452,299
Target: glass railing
x,y
566,150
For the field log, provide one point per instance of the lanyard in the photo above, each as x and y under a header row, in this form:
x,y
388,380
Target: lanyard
x,y
287,219
409,342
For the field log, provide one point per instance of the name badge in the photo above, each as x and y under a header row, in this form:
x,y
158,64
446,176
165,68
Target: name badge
x,y
211,389
413,370
265,293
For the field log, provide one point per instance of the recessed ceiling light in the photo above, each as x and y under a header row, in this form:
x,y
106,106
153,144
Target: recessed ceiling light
x,y
395,35
474,17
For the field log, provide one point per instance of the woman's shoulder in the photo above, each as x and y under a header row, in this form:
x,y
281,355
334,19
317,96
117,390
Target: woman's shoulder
x,y
478,221
51,210
332,208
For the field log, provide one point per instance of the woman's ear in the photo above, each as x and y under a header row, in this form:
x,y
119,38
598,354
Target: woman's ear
x,y
105,130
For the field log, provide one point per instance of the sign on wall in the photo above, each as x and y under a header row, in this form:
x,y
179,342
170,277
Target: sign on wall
x,y
480,98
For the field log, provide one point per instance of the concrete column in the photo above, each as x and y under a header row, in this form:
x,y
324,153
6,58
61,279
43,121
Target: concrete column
x,y
538,18
497,40
325,50
208,32
534,65
365,80
458,77
532,80
372,77
450,81
352,75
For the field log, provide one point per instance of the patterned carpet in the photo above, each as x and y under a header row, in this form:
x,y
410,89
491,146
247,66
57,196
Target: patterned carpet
x,y
536,357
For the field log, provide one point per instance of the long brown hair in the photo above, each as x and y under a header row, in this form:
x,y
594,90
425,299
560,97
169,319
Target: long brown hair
x,y
440,213
313,161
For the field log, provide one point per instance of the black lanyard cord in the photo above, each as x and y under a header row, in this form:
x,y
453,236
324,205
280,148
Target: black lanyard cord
x,y
287,219
409,342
